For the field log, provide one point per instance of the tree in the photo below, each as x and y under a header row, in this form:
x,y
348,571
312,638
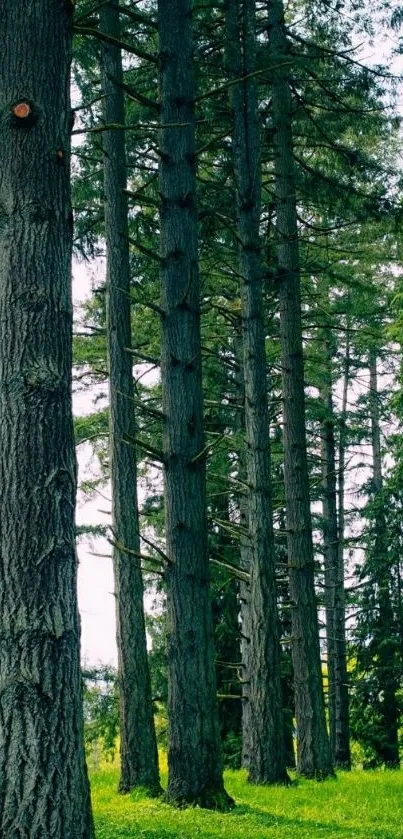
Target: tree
x,y
245,555
334,571
389,749
43,780
194,756
266,761
138,745
313,753
342,753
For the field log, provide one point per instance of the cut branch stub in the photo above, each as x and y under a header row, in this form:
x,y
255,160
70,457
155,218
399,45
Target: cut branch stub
x,y
21,110
23,114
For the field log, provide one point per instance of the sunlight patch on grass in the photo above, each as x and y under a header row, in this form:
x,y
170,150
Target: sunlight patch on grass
x,y
357,805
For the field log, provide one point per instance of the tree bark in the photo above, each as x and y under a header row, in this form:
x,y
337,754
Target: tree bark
x,y
43,779
283,599
313,752
342,753
334,580
194,756
266,761
138,744
385,646
245,554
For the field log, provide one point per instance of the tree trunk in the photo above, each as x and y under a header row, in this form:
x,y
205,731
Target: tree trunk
x,y
245,554
334,581
283,599
43,779
138,745
389,749
194,756
313,752
342,753
266,762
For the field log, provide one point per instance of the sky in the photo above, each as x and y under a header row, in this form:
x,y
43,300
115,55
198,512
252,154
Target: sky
x,y
95,575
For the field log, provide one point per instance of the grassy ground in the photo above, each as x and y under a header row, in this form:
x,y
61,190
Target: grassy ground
x,y
358,805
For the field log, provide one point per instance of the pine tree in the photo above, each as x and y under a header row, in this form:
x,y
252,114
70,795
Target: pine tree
x,y
389,749
266,760
334,571
194,755
43,779
313,753
138,745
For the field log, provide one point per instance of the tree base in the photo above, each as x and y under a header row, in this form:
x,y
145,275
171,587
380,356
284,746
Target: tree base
x,y
344,766
318,775
142,790
208,799
284,781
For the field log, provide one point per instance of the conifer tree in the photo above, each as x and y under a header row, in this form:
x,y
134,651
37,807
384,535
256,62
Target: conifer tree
x,y
43,779
266,761
389,746
313,752
334,571
194,755
138,745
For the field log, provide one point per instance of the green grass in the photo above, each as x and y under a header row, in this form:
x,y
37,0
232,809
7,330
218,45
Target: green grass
x,y
358,805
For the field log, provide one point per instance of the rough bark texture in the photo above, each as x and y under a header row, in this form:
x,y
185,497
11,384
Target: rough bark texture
x,y
389,750
44,790
194,756
138,745
343,447
245,554
266,761
283,600
334,582
342,755
313,752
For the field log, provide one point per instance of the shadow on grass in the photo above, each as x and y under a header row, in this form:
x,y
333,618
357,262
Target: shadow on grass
x,y
264,819
215,827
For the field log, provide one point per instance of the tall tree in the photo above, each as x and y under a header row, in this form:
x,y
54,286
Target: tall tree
x,y
384,646
245,553
43,780
266,760
138,744
313,752
334,572
194,755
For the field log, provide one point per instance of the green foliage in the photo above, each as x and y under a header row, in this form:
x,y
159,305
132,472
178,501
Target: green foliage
x,y
157,658
101,709
377,648
232,750
91,427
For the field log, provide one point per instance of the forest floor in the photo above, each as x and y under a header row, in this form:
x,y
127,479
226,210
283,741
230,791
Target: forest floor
x,y
358,805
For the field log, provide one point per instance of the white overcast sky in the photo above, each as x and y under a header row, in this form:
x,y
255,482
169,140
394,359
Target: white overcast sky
x,y
95,577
